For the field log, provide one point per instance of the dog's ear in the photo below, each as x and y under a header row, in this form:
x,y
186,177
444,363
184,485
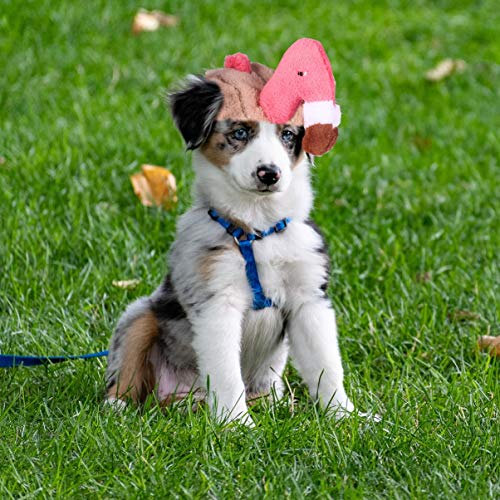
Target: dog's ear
x,y
194,109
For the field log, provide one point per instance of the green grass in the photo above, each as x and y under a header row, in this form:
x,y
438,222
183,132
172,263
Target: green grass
x,y
412,187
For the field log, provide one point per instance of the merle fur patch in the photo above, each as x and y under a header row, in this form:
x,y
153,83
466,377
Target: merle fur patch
x,y
166,305
294,145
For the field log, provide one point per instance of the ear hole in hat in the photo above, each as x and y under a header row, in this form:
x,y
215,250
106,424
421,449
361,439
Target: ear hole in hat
x,y
194,109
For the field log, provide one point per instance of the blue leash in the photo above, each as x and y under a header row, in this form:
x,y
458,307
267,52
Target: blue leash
x,y
260,301
12,360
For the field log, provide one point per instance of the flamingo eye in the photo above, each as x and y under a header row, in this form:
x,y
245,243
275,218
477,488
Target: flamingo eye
x,y
302,73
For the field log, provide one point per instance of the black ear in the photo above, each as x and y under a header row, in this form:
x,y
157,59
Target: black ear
x,y
195,108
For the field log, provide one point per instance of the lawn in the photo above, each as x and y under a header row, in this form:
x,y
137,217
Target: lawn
x,y
409,200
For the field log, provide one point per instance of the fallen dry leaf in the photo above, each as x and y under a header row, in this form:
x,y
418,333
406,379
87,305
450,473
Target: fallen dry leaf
x,y
489,344
146,20
126,284
2,160
445,68
423,277
155,186
422,143
461,315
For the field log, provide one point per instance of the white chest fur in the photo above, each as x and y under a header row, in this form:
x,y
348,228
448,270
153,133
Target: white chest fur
x,y
290,264
290,269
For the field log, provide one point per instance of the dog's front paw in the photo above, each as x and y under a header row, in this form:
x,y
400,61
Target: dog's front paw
x,y
344,408
235,420
115,404
245,419
237,414
340,408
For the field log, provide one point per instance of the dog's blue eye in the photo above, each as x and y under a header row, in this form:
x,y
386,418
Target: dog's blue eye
x,y
241,134
287,136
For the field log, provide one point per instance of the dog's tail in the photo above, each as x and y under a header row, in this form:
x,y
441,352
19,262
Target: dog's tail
x,y
130,373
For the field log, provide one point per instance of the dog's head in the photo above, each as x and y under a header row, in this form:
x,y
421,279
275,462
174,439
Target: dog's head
x,y
256,156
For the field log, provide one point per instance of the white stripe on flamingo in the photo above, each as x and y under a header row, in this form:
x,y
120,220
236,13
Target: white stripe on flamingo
x,y
321,112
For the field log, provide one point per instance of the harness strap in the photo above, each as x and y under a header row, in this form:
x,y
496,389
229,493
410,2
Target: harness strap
x,y
260,301
12,360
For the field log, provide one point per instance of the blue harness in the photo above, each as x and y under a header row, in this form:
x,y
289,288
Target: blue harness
x,y
245,242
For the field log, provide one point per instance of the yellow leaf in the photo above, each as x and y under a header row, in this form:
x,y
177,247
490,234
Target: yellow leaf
x,y
423,277
146,20
126,284
445,68
489,344
462,315
155,186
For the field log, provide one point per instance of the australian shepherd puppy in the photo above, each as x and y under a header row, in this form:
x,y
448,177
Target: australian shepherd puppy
x,y
198,332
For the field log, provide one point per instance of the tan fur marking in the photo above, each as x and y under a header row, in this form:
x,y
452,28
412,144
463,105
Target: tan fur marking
x,y
136,376
209,260
221,146
239,223
216,151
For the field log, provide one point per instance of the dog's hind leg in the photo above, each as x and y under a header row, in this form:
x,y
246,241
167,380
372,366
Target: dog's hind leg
x,y
130,374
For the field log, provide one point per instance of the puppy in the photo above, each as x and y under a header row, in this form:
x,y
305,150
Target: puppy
x,y
211,328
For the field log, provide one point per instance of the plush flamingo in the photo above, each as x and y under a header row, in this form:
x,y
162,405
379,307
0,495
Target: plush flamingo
x,y
301,91
304,75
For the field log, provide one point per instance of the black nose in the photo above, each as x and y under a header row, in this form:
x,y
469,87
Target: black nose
x,y
268,174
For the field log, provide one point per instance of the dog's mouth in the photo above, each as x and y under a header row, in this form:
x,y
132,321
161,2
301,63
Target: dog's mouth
x,y
266,190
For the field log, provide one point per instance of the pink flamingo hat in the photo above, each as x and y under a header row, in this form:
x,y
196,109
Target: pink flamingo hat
x,y
301,91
